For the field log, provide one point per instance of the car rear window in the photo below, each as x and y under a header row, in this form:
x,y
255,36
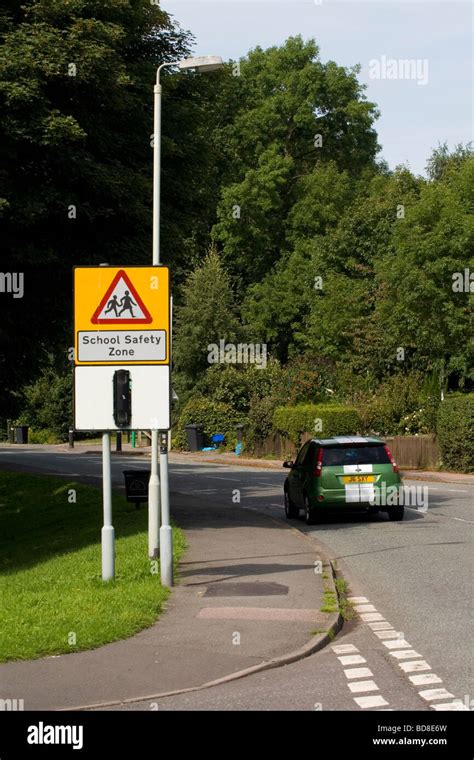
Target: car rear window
x,y
337,457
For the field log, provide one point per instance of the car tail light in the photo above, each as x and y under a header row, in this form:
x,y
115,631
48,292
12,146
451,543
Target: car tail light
x,y
392,460
319,464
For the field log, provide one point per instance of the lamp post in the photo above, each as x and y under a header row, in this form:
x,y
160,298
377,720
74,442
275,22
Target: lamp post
x,y
160,540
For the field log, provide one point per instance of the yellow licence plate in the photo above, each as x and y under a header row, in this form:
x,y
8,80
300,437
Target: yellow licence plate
x,y
358,479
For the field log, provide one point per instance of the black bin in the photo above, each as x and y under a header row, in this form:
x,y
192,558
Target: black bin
x,y
136,485
195,436
21,434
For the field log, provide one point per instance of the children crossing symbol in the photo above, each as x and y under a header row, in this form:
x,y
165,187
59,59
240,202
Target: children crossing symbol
x,y
121,304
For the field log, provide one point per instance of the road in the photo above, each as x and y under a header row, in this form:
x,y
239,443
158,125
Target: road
x,y
418,574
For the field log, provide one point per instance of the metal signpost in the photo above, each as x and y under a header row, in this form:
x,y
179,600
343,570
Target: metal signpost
x,y
122,367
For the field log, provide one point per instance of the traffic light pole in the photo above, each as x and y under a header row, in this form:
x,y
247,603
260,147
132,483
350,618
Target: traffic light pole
x,y
108,533
160,540
166,531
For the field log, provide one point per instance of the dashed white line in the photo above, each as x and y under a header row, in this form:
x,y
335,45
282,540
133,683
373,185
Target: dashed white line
x,y
411,661
351,659
358,673
370,617
373,701
380,626
430,694
403,654
359,686
414,665
455,705
424,679
344,648
396,644
389,634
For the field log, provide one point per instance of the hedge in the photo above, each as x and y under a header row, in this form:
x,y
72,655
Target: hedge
x,y
214,416
293,421
455,430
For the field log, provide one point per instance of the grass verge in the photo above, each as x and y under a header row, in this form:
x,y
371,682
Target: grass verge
x,y
53,598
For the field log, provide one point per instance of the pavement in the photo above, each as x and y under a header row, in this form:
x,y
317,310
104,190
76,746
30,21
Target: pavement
x,y
247,598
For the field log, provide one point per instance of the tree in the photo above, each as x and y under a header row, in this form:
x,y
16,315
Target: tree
x,y
206,316
76,90
293,115
422,310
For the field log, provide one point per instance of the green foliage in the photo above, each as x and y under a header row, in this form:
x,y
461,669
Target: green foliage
x,y
215,416
43,436
293,421
47,406
455,429
285,97
205,317
418,307
401,405
81,137
239,385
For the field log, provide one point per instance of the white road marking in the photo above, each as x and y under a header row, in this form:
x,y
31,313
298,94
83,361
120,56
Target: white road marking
x,y
455,705
370,617
344,648
396,644
426,678
400,648
389,634
358,673
365,608
380,626
404,654
359,686
374,701
351,659
430,694
414,665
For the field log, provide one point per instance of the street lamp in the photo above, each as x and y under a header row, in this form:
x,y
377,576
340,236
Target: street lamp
x,y
162,537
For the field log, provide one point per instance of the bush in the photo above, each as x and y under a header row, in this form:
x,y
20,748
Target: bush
x,y
455,429
47,404
400,406
260,420
215,416
42,436
293,421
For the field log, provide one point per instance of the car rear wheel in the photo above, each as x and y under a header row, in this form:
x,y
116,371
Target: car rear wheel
x,y
291,511
396,513
310,515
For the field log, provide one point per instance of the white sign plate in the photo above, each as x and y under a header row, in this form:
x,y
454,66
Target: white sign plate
x,y
119,345
93,397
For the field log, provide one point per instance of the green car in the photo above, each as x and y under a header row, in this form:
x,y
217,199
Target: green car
x,y
344,473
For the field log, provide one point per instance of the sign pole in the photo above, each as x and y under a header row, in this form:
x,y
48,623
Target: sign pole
x,y
154,484
108,533
166,532
154,501
166,535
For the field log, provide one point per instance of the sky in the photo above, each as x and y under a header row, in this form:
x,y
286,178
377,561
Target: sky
x,y
428,104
